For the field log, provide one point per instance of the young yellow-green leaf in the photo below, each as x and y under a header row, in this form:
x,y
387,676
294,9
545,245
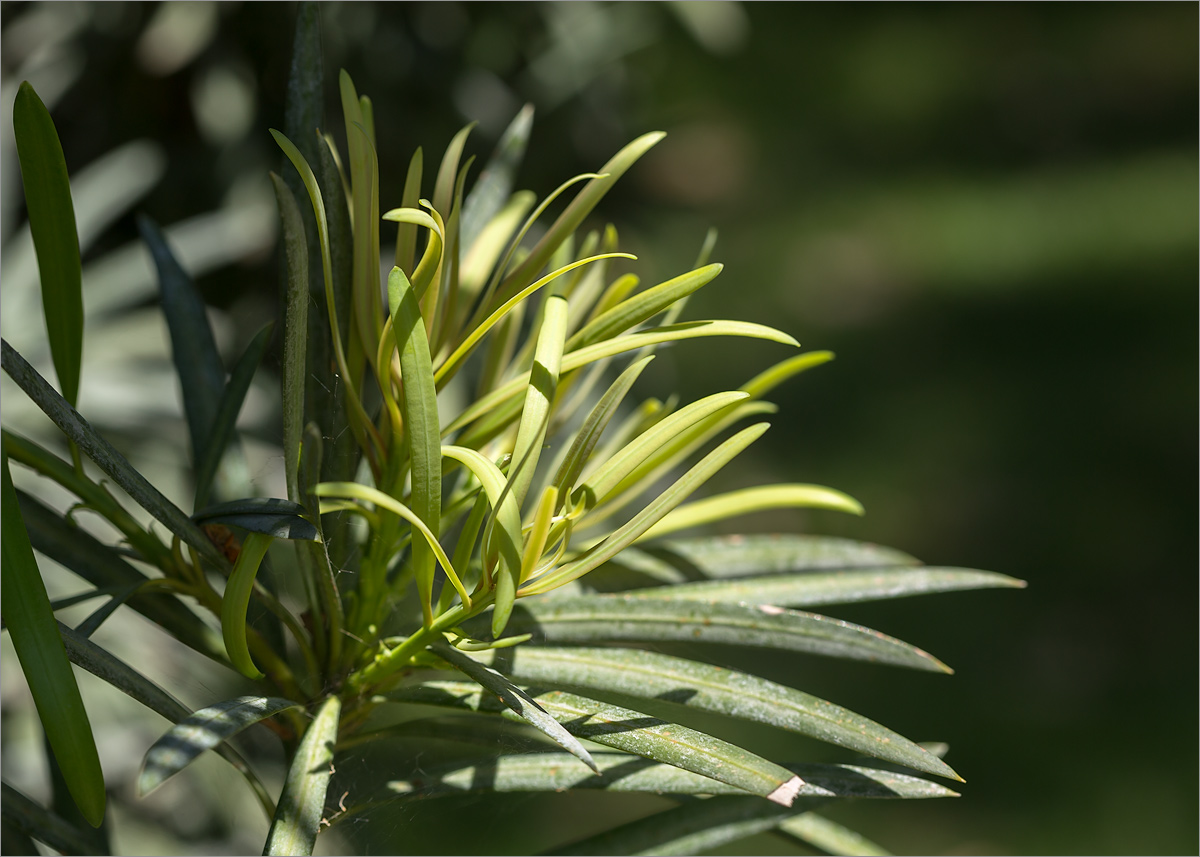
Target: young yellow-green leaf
x,y
406,233
431,258
35,637
648,675
625,535
302,802
55,240
421,426
228,407
539,532
480,256
834,587
106,457
106,667
593,427
643,306
506,516
365,493
764,382
618,345
517,700
608,475
749,500
237,598
573,216
295,332
830,836
631,731
609,618
203,730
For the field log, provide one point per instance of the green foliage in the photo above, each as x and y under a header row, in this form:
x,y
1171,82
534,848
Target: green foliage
x,y
504,508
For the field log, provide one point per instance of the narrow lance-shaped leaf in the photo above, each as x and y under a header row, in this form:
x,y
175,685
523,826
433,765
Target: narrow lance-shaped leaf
x,y
506,516
421,425
55,240
517,700
203,730
228,407
619,345
406,233
834,587
624,772
197,362
607,618
34,820
107,667
295,328
650,675
495,183
301,805
237,598
271,516
626,534
44,662
749,500
633,732
829,836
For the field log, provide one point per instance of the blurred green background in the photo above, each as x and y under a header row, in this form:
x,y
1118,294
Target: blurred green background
x,y
989,212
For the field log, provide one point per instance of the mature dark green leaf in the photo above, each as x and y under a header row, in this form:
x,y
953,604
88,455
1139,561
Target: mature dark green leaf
x,y
203,730
271,516
694,828
55,240
101,566
35,637
516,699
228,407
197,361
829,836
99,450
109,668
608,618
834,587
295,327
298,818
631,731
623,772
39,823
648,675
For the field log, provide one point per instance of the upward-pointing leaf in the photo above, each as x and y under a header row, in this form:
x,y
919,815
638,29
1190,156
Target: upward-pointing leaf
x,y
52,225
495,183
43,658
298,818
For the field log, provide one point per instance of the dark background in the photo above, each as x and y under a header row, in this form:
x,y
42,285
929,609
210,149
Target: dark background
x,y
989,212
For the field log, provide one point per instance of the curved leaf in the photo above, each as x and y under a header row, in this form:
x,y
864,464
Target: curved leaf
x,y
301,804
273,516
836,587
649,675
236,600
55,240
203,730
35,637
632,732
517,700
749,500
608,618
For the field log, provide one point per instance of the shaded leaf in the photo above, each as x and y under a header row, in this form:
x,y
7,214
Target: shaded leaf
x,y
271,516
106,457
829,836
236,599
649,675
302,802
631,731
37,822
516,699
835,587
203,730
55,240
608,618
35,637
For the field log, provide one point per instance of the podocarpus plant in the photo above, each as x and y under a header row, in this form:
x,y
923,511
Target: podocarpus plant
x,y
478,520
